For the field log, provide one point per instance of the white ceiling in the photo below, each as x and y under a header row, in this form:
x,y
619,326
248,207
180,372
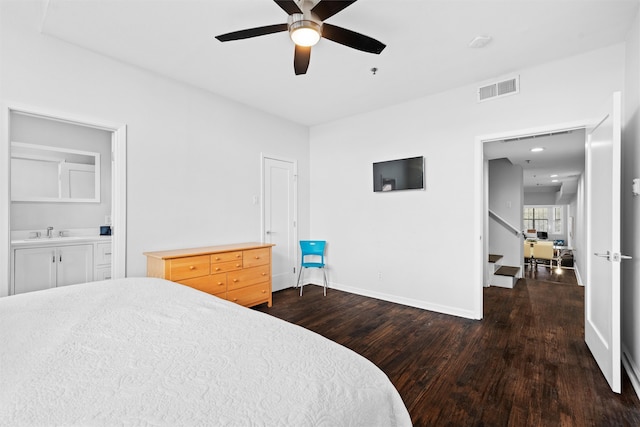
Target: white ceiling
x,y
427,52
563,156
426,42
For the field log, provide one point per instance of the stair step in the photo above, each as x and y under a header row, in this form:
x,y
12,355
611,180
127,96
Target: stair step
x,y
506,270
494,258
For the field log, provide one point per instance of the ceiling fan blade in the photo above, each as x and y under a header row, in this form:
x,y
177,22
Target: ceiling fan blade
x,y
288,6
327,8
252,32
301,58
352,39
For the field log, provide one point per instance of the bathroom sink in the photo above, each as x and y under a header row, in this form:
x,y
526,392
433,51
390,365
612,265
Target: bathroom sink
x,y
57,239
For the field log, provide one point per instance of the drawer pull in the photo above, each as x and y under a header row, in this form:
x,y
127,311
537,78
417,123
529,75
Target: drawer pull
x,y
235,280
217,258
107,253
217,268
238,256
257,257
264,292
238,265
264,274
192,267
235,299
220,283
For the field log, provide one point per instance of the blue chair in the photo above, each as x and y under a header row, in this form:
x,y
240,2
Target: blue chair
x,y
315,249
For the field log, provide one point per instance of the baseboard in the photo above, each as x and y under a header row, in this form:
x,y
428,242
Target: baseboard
x,y
632,369
453,311
578,277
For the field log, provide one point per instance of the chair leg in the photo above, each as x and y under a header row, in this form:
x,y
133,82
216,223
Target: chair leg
x,y
324,273
299,273
298,282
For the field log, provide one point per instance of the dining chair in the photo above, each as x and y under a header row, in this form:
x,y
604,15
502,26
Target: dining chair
x,y
314,250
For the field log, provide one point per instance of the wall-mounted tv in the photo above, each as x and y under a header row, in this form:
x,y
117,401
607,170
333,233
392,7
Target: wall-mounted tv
x,y
401,174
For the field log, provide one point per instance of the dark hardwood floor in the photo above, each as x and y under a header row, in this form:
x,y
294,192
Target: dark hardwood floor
x,y
524,364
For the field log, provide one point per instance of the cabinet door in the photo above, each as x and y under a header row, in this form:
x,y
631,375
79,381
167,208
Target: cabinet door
x,y
34,269
75,264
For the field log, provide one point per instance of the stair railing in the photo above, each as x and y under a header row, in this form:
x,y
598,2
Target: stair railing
x,y
505,223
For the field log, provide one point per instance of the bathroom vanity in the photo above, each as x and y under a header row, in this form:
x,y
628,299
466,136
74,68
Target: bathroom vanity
x,y
43,263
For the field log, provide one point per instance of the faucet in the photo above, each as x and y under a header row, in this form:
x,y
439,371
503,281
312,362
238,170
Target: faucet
x,y
49,232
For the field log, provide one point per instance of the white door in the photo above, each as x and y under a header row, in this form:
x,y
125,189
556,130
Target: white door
x,y
75,264
280,219
602,290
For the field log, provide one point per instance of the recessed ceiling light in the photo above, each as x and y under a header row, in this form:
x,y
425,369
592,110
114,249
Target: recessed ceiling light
x,y
554,180
537,149
555,175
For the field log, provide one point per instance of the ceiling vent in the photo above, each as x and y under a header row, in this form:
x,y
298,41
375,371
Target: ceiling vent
x,y
499,89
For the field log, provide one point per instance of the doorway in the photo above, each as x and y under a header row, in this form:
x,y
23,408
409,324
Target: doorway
x,y
116,157
482,194
279,217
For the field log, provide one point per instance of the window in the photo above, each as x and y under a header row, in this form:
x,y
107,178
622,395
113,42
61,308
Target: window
x,y
543,218
536,219
557,220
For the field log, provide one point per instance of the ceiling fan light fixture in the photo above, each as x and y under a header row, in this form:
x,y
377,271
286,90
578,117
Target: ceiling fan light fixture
x,y
305,33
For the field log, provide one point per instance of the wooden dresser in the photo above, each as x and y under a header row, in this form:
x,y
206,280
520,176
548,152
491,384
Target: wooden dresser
x,y
240,272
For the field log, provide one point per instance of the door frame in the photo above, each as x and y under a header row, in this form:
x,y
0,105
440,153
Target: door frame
x,y
118,183
482,196
294,162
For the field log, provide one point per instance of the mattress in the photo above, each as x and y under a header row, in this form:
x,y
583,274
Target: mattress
x,y
149,352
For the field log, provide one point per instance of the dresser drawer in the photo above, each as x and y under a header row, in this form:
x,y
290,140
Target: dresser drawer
x,y
215,284
189,267
248,277
250,295
254,257
226,256
222,267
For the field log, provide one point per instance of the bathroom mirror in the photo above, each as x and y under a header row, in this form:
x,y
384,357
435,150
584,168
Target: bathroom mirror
x,y
41,173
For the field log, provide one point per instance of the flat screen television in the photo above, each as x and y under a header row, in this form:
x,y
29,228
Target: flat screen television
x,y
401,174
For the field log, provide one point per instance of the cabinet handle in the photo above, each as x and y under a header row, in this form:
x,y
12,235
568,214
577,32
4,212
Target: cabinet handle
x,y
238,265
191,267
220,283
257,257
217,268
217,258
107,253
60,257
264,292
264,274
235,280
53,259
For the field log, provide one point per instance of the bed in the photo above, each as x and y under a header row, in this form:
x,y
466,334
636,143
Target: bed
x,y
149,352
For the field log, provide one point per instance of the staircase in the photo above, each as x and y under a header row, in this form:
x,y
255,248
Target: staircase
x,y
503,275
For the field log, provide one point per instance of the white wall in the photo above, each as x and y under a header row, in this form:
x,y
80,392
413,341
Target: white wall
x,y
423,244
540,198
193,157
631,208
505,199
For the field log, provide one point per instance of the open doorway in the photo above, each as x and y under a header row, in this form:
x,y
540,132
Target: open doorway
x,y
535,185
114,159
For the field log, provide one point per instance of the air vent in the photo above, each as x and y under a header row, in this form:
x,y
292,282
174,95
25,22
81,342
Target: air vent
x,y
499,89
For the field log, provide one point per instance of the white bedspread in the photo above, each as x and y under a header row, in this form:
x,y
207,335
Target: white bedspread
x,y
148,352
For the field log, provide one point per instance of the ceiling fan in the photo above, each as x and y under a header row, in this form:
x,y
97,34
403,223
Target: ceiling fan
x,y
306,26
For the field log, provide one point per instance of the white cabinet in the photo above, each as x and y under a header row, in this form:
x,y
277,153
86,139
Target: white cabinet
x,y
103,261
51,266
